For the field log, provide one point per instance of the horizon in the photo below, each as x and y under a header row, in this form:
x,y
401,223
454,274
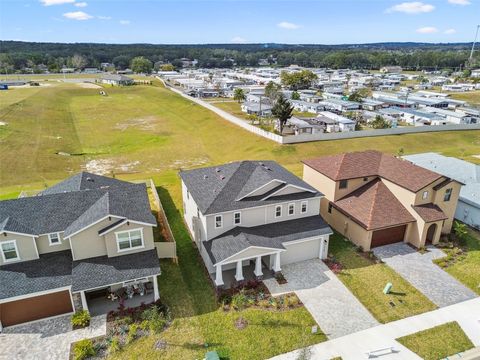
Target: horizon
x,y
189,22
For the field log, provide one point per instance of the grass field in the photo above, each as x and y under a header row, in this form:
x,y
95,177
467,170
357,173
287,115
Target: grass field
x,y
472,97
366,280
438,342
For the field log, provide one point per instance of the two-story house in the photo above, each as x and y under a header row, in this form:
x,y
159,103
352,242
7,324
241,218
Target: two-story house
x,y
375,199
86,235
252,213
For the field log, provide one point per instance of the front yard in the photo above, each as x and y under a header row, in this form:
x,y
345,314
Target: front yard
x,y
366,279
438,342
464,264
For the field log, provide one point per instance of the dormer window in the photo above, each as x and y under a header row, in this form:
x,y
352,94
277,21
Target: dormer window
x,y
54,239
218,221
278,211
129,239
425,195
237,218
343,184
9,251
291,209
448,194
304,207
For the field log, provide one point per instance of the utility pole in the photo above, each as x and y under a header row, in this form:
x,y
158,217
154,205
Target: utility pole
x,y
473,47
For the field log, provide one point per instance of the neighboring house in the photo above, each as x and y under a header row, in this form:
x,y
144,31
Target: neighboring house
x,y
391,69
116,79
252,214
375,199
344,124
258,109
86,235
468,208
475,73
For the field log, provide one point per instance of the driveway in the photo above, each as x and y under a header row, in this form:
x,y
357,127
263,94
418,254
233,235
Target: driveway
x,y
418,269
336,310
46,339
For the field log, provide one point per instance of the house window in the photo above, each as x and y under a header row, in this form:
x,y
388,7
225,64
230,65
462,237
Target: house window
x,y
278,211
237,218
9,251
54,239
343,184
330,208
218,221
291,209
448,194
130,239
304,207
425,195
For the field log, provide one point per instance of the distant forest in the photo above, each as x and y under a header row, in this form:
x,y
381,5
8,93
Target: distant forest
x,y
16,55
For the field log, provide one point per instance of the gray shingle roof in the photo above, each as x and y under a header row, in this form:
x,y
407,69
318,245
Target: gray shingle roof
x,y
272,235
72,205
101,271
219,188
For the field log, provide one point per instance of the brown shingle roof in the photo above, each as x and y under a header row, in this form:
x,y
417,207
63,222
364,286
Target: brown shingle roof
x,y
374,206
430,212
373,163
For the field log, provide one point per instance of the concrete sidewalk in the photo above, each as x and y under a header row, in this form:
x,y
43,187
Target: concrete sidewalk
x,y
355,346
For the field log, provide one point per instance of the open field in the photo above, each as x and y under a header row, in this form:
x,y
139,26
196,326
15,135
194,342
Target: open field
x,y
438,342
472,97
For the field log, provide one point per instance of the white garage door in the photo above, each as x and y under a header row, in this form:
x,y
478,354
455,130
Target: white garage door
x,y
301,251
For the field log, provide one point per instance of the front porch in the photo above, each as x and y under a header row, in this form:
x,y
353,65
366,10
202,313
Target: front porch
x,y
229,279
103,305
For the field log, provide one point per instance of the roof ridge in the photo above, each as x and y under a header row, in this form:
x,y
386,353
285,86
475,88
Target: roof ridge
x,y
240,163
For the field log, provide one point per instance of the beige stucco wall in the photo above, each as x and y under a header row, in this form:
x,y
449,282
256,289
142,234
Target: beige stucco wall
x,y
448,207
44,247
88,243
25,245
111,240
319,181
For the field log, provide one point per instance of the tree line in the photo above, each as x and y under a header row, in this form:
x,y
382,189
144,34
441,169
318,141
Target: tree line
x,y
15,56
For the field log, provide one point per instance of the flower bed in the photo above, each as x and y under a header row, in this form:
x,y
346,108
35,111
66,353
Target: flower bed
x,y
124,326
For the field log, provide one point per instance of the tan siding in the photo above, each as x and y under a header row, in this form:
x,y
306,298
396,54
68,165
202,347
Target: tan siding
x,y
448,207
111,240
319,181
88,243
25,246
44,247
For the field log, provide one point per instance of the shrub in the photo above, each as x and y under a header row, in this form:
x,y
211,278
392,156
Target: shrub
x,y
132,333
83,349
114,346
155,318
81,319
239,301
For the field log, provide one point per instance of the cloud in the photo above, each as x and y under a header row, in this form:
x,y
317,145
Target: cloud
x,y
124,22
56,2
288,25
104,17
427,30
80,4
459,2
415,7
238,40
77,15
450,31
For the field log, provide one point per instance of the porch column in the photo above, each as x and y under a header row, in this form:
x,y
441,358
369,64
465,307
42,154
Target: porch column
x,y
84,300
156,294
258,266
276,264
239,272
218,275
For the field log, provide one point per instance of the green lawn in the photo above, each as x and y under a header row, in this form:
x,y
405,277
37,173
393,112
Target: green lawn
x,y
466,268
472,97
232,107
366,280
438,342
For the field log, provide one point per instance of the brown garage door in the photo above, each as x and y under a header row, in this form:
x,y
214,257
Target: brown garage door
x,y
388,236
34,308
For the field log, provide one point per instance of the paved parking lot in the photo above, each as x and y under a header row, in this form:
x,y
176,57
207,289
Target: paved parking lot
x,y
336,310
46,339
418,269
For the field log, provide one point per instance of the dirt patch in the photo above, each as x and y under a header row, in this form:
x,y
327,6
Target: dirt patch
x,y
476,156
88,85
186,164
2,123
144,123
107,166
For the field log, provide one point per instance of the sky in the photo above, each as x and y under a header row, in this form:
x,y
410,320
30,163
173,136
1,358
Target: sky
x,y
239,21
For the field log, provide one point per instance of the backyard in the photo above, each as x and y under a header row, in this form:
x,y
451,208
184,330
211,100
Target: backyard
x,y
366,279
438,342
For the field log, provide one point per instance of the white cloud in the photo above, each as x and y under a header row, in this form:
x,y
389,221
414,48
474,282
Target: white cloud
x,y
238,40
415,7
288,25
77,15
459,2
56,2
124,22
80,4
104,17
427,30
450,31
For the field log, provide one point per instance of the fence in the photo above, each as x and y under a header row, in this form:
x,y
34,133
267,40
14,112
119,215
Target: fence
x,y
165,249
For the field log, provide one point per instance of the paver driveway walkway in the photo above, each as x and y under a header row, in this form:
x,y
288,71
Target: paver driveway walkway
x,y
47,339
336,310
418,269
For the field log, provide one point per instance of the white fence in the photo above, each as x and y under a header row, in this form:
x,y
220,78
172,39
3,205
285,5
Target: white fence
x,y
294,139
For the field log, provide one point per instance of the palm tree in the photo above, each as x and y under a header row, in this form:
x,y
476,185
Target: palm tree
x,y
239,95
283,110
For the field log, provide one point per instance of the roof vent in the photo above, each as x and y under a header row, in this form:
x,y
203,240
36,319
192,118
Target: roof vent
x,y
205,177
217,170
89,179
222,177
262,164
